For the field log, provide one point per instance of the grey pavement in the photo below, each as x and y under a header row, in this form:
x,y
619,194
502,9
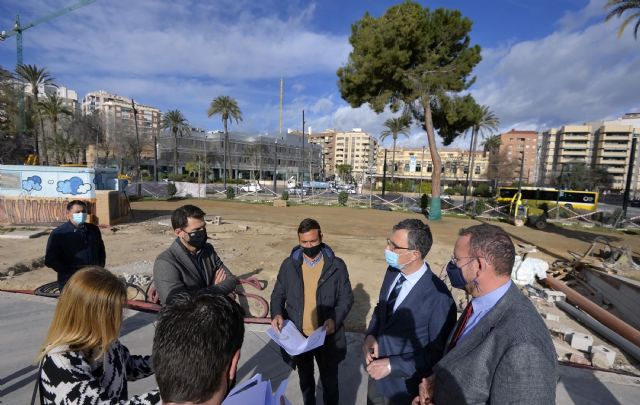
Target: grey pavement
x,y
24,321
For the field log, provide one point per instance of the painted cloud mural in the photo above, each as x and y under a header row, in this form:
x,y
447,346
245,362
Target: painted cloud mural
x,y
33,183
73,186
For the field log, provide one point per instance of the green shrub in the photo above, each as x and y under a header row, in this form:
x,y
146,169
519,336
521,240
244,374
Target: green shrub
x,y
171,189
450,191
231,193
285,195
482,190
426,188
342,198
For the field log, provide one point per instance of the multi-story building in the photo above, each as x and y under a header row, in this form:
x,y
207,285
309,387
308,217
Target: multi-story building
x,y
517,145
69,97
250,156
117,114
355,148
603,144
416,164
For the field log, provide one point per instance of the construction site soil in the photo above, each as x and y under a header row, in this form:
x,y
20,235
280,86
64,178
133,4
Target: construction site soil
x,y
253,239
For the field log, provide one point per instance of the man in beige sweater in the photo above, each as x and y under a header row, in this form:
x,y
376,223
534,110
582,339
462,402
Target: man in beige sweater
x,y
313,290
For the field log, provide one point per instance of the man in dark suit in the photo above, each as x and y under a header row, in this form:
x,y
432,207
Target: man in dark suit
x,y
414,315
500,351
74,244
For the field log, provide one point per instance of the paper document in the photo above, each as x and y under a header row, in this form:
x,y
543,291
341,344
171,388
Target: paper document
x,y
293,342
256,391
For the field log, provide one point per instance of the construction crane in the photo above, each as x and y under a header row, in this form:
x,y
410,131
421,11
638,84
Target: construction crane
x,y
18,29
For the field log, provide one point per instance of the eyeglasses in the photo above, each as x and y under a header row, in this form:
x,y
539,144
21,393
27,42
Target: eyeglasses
x,y
193,233
455,261
396,247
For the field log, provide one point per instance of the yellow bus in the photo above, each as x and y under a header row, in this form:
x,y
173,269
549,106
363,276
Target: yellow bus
x,y
572,199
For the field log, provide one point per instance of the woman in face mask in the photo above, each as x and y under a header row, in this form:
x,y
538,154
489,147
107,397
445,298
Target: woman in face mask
x,y
81,359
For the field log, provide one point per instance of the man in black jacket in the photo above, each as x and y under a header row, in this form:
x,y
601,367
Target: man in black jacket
x,y
190,263
74,244
313,290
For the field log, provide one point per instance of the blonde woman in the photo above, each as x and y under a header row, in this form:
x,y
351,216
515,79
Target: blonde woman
x,y
82,360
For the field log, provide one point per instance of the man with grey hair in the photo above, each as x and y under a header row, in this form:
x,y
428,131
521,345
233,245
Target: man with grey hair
x,y
414,315
500,350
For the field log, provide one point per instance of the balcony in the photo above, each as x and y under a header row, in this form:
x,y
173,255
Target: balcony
x,y
617,137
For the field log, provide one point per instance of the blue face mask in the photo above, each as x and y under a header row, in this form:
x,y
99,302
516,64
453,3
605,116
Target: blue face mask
x,y
455,276
392,259
79,217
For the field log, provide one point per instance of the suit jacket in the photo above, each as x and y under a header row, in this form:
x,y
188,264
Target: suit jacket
x,y
175,270
413,337
508,357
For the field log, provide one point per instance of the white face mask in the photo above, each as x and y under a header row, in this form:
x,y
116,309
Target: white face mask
x,y
79,217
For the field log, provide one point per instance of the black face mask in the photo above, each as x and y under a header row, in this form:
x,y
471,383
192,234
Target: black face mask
x,y
312,251
198,239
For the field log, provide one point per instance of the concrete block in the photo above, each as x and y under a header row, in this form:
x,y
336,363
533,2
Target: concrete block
x,y
554,296
551,317
580,341
602,356
280,203
579,359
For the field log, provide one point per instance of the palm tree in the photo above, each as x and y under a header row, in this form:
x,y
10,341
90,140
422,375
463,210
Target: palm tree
x,y
491,143
619,7
51,107
484,120
177,123
227,108
35,77
395,126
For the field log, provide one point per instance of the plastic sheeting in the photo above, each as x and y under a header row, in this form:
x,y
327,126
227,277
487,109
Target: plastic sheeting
x,y
525,272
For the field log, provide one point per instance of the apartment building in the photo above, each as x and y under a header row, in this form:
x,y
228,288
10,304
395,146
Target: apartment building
x,y
355,148
416,163
604,144
517,145
68,96
117,114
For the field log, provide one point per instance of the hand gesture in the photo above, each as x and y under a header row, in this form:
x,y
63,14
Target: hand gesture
x,y
277,323
370,349
221,275
330,326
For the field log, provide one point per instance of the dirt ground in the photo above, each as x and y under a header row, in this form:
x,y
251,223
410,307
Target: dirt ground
x,y
255,238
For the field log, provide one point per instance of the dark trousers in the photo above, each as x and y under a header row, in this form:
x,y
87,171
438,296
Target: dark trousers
x,y
374,396
63,278
328,366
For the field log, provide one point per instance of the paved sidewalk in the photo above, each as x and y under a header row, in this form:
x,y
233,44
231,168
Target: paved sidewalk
x,y
24,321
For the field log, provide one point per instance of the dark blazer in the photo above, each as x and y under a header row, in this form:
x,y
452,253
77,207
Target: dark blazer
x,y
508,357
70,248
174,269
413,337
334,296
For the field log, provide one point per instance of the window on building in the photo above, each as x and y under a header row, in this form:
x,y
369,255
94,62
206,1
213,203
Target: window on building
x,y
429,168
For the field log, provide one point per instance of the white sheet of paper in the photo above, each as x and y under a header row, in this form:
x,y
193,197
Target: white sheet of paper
x,y
293,342
256,391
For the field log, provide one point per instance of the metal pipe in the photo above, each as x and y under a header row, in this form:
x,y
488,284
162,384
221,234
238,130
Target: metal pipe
x,y
598,327
611,321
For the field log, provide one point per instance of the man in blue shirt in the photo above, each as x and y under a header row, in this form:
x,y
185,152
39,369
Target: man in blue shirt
x,y
74,244
414,315
500,351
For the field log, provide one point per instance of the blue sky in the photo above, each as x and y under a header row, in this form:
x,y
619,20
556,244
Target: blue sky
x,y
545,62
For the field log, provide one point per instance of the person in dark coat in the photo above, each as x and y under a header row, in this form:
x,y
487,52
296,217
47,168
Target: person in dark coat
x,y
190,263
74,244
313,290
410,324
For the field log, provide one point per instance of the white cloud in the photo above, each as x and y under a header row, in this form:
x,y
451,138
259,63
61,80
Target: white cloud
x,y
566,77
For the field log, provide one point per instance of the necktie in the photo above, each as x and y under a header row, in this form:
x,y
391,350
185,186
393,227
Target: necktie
x,y
391,302
468,311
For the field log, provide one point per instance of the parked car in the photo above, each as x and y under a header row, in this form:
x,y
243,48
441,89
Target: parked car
x,y
634,203
298,191
251,188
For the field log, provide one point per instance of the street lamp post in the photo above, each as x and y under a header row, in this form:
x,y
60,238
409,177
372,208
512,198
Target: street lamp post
x,y
521,167
275,168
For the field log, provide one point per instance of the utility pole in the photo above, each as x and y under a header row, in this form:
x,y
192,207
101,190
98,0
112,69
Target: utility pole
x,y
627,189
559,191
384,172
302,174
205,164
466,184
421,169
155,154
135,123
275,168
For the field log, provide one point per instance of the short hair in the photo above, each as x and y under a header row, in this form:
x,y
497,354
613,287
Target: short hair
x,y
419,236
180,216
81,203
88,313
492,243
308,224
195,340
